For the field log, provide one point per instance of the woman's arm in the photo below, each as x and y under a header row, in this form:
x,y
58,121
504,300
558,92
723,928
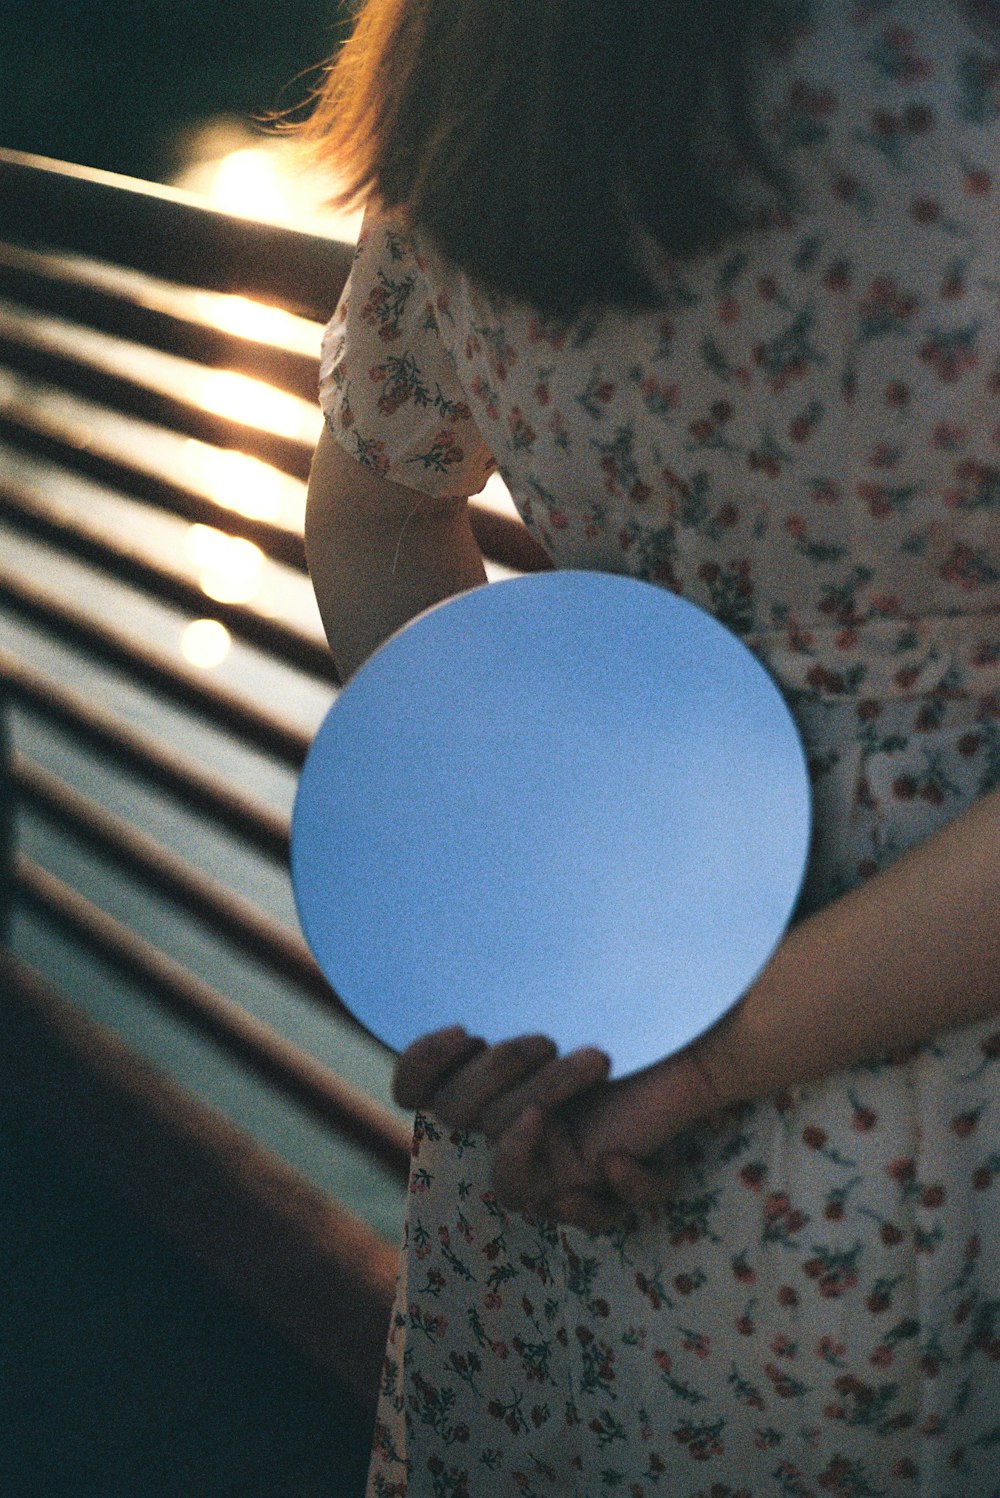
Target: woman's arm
x,y
379,553
909,954
912,952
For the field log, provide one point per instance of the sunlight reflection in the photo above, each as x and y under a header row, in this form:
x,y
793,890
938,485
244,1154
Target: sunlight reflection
x,y
249,319
249,180
229,566
244,484
241,172
251,401
205,643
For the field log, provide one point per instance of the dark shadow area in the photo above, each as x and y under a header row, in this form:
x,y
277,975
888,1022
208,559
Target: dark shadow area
x,y
125,1374
110,83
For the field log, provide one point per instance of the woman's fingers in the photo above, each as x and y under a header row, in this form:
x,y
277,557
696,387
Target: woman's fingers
x,y
637,1184
532,1172
466,1094
520,1179
548,1088
584,1210
424,1066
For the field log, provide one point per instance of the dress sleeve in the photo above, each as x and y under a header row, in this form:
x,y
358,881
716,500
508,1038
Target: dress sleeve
x,y
388,388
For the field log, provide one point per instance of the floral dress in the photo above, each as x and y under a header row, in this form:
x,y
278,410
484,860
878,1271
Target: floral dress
x,y
805,441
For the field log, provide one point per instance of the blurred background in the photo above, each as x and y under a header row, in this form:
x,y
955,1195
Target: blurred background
x,y
171,93
125,1373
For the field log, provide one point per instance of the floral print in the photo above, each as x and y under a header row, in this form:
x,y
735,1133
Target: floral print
x,y
804,440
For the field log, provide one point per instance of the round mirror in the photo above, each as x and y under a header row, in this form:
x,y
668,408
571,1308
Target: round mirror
x,y
571,803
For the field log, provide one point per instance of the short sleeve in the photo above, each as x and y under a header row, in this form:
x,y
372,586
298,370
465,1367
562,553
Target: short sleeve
x,y
388,388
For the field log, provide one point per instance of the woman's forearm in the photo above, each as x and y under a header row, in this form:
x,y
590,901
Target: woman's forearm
x,y
379,553
912,952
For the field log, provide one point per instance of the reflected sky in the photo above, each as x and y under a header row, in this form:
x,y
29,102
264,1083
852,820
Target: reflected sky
x,y
572,803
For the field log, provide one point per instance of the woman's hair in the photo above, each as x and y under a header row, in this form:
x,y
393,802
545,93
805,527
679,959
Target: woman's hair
x,y
528,138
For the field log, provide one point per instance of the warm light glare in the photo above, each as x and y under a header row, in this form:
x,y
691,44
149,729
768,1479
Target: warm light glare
x,y
251,401
243,484
248,182
205,642
230,567
249,319
239,173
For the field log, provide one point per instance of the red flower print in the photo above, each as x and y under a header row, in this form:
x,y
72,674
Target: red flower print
x,y
918,118
743,1272
932,1197
814,1137
978,183
963,1124
753,1174
925,211
864,1119
902,1169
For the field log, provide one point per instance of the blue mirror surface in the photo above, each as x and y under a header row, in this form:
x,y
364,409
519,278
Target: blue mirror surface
x,y
572,803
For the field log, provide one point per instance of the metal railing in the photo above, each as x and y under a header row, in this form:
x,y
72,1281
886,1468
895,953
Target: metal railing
x,y
92,268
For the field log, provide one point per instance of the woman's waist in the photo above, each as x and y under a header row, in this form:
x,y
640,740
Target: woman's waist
x,y
954,657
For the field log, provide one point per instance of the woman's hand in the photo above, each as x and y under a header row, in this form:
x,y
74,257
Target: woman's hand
x,y
470,1085
567,1144
620,1132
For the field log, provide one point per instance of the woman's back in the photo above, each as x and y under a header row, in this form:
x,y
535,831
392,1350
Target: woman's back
x,y
805,441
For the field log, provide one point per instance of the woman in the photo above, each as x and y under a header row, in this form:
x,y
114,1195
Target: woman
x,y
715,288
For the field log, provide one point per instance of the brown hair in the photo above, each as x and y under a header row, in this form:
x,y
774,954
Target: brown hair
x,y
528,138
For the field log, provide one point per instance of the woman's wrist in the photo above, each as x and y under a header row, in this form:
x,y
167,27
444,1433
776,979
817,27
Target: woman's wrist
x,y
912,952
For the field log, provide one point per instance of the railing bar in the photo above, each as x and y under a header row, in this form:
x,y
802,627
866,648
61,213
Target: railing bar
x,y
20,508
252,820
167,232
264,730
501,538
244,923
82,377
328,1097
24,426
62,288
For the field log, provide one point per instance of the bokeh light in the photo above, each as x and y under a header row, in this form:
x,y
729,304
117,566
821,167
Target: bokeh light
x,y
205,643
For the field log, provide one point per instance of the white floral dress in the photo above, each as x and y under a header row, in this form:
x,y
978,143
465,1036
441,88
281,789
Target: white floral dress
x,y
805,442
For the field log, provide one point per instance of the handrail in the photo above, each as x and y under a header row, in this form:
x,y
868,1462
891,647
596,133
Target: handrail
x,y
257,934
183,321
328,1097
22,510
287,741
169,233
29,426
254,821
306,1264
35,352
